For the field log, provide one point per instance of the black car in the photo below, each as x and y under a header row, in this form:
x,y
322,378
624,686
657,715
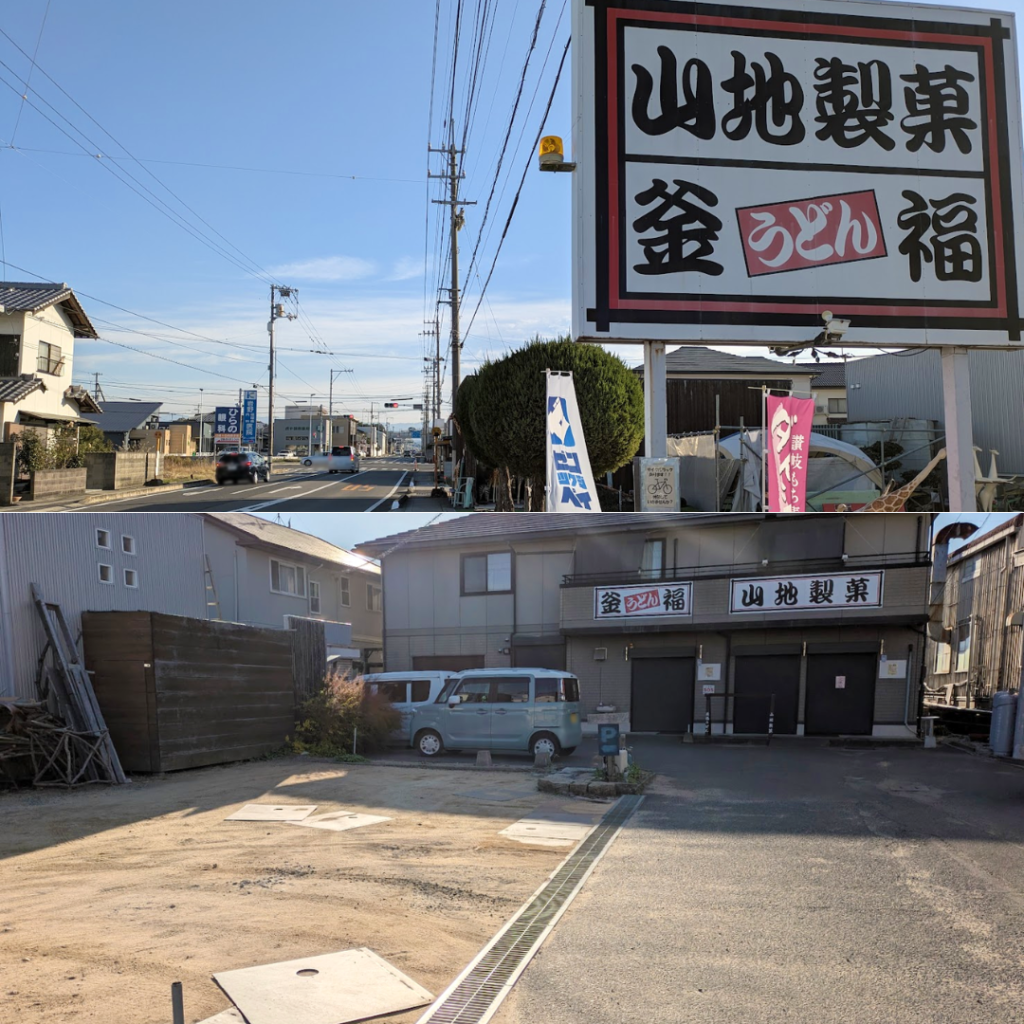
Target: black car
x,y
238,466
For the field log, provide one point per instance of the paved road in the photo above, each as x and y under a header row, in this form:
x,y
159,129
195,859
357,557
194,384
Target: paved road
x,y
293,489
797,884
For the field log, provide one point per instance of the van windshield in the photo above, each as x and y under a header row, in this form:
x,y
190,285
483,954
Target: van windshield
x,y
550,690
446,692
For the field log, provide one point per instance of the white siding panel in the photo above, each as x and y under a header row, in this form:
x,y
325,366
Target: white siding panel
x,y
59,553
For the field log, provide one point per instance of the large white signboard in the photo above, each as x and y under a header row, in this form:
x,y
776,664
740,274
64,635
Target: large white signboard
x,y
822,592
653,599
742,170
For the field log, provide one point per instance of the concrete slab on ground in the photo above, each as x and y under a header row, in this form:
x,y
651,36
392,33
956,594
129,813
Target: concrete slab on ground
x,y
272,812
339,821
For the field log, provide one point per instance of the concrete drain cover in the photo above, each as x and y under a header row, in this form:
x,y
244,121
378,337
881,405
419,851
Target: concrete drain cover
x,y
331,989
272,812
339,821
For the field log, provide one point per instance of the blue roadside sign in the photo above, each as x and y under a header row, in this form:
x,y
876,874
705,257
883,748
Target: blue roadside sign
x,y
249,417
608,739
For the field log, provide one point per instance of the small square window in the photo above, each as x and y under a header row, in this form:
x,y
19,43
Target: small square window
x,y
127,544
106,574
131,578
103,539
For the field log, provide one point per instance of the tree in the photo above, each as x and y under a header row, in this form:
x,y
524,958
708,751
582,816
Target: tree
x,y
507,419
92,439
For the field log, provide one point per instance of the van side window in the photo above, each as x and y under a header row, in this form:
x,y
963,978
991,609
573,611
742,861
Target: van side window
x,y
395,692
570,690
475,691
511,690
420,691
546,691
447,691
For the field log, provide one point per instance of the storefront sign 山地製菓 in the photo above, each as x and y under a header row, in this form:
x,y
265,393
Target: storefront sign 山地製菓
x,y
822,592
672,598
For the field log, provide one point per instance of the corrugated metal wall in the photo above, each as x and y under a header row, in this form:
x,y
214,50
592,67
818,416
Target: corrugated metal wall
x,y
883,387
59,552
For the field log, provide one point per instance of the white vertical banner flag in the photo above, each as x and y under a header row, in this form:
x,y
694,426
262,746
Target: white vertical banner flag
x,y
570,483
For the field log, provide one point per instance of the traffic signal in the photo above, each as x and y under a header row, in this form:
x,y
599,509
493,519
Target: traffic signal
x,y
390,405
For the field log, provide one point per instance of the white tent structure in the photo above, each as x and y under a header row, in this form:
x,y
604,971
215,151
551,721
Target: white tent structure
x,y
848,467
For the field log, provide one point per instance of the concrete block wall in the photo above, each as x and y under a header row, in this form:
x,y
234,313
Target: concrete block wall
x,y
55,483
117,470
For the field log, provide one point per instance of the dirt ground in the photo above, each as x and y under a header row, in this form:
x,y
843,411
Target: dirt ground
x,y
109,895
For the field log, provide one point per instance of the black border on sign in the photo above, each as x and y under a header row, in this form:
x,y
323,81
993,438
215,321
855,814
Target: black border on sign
x,y
602,316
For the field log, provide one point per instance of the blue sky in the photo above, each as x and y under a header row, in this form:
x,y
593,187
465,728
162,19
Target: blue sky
x,y
313,88
298,113
352,528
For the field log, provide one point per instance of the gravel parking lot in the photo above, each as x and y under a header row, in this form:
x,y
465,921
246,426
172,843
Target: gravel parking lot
x,y
109,895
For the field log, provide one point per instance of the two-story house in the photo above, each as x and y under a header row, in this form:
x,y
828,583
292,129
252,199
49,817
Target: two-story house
x,y
39,324
233,567
804,624
268,572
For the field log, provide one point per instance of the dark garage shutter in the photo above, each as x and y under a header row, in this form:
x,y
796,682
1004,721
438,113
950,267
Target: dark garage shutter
x,y
757,678
446,662
847,710
662,695
539,656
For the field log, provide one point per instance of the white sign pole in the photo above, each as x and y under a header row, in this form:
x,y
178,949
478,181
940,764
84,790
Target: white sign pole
x,y
655,400
956,397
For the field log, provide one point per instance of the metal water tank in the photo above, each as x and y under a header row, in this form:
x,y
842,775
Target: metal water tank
x,y
1004,712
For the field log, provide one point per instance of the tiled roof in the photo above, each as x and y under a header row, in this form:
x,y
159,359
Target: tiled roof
x,y
263,532
14,389
120,417
695,359
827,375
84,400
28,297
488,525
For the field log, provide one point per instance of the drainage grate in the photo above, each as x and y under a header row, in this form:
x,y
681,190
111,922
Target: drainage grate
x,y
476,994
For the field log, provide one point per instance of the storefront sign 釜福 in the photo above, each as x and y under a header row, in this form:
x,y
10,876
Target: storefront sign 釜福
x,y
827,591
653,599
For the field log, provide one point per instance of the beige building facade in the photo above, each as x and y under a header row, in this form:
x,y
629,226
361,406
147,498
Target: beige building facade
x,y
809,624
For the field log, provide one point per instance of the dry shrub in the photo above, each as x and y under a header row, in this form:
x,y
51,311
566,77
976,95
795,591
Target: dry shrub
x,y
343,707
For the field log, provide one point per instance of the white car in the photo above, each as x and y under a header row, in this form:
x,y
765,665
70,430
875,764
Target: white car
x,y
342,459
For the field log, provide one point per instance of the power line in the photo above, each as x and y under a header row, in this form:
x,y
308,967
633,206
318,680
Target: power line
x,y
522,181
31,68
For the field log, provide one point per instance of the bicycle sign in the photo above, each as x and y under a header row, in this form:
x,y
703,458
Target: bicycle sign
x,y
659,488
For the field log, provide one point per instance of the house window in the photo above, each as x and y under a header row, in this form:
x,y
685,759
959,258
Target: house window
x,y
963,647
652,564
373,602
131,578
943,656
49,359
314,597
103,539
836,405
128,545
346,596
106,574
287,579
9,355
487,574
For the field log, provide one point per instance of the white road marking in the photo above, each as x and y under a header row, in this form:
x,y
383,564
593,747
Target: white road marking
x,y
388,495
295,497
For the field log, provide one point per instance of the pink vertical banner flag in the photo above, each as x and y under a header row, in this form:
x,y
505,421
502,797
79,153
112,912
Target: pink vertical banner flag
x,y
789,443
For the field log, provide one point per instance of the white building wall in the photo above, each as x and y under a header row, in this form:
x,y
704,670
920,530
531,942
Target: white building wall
x,y
60,554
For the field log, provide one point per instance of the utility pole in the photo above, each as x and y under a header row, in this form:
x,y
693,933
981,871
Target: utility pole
x,y
200,421
276,313
435,407
97,391
457,213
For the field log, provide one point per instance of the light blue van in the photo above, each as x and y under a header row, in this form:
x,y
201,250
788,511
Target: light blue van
x,y
529,709
407,691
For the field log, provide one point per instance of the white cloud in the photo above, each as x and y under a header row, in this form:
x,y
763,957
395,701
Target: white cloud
x,y
407,268
326,268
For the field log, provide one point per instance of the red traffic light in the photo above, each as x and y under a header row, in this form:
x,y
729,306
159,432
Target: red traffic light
x,y
390,405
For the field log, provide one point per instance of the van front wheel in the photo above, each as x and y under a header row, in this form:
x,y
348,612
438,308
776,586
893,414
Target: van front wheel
x,y
429,744
545,743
